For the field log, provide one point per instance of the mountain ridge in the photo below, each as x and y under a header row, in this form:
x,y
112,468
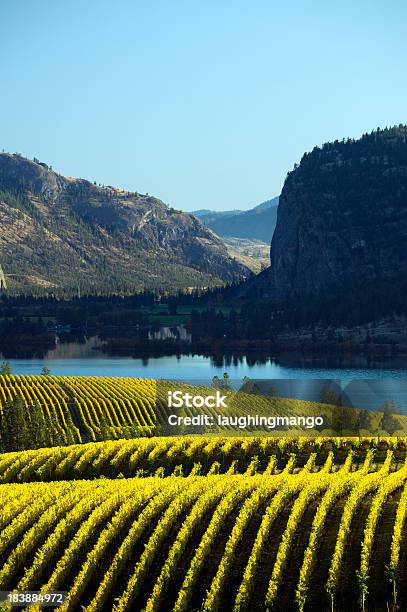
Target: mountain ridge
x,y
257,223
59,232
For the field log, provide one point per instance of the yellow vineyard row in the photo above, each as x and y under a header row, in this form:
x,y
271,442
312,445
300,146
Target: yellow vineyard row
x,y
210,542
196,455
94,407
82,409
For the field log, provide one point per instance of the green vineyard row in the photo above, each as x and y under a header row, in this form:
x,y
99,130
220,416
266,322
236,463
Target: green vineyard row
x,y
60,410
83,408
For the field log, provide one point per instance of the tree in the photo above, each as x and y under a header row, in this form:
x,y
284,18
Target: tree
x,y
5,369
246,385
343,419
14,428
216,382
364,420
38,427
388,421
45,371
249,386
226,381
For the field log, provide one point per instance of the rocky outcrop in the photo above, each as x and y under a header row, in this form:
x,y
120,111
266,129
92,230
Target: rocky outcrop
x,y
3,284
66,232
342,218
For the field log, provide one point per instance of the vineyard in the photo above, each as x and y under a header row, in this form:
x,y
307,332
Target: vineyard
x,y
193,456
240,524
85,408
123,519
88,409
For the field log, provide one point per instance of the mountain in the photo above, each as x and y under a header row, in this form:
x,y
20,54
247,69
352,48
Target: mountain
x,y
266,205
61,233
256,224
212,215
342,219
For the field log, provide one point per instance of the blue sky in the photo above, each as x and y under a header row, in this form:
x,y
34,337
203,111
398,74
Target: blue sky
x,y
205,104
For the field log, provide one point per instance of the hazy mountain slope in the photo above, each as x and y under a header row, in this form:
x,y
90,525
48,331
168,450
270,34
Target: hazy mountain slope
x,y
254,254
63,232
257,223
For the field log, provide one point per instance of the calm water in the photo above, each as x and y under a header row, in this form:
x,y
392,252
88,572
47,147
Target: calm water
x,y
197,367
85,359
366,383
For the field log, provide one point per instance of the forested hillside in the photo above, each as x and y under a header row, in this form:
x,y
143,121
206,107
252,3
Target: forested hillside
x,y
69,235
342,218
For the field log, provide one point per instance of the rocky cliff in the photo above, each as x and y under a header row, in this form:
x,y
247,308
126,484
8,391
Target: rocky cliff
x,y
3,284
65,233
342,218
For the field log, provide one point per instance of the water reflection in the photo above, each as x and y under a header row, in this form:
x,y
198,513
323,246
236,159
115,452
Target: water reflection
x,y
80,354
178,332
75,347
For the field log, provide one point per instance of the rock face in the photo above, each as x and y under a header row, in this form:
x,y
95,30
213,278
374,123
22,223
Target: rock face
x,y
64,233
342,217
3,284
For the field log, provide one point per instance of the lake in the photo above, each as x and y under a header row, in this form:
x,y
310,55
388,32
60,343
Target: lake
x,y
368,383
84,358
366,387
190,367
